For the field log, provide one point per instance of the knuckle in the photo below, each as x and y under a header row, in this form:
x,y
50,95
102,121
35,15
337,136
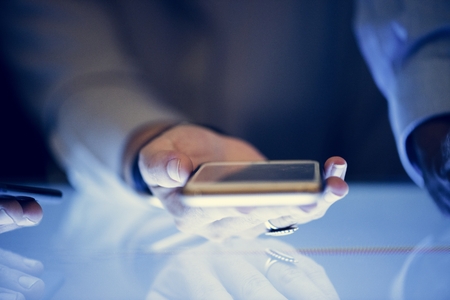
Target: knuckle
x,y
253,285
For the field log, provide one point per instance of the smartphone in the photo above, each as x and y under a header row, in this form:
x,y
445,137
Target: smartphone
x,y
257,183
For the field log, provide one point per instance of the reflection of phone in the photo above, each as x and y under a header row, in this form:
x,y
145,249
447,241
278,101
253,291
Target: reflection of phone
x,y
259,183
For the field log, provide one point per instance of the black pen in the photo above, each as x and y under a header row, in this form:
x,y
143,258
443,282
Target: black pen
x,y
6,187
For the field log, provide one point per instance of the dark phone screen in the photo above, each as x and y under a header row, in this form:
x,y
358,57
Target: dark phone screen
x,y
272,172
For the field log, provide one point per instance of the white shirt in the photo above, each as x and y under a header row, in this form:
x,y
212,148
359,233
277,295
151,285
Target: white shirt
x,y
94,73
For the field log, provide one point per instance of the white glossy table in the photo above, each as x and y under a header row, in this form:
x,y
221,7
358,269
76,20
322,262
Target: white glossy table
x,y
382,241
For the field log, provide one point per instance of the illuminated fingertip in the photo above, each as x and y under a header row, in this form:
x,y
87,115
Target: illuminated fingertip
x,y
338,170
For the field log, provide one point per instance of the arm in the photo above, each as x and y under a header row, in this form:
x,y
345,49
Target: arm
x,y
79,83
100,118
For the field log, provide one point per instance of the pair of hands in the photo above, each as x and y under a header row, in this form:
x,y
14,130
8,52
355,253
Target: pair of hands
x,y
17,212
237,269
167,162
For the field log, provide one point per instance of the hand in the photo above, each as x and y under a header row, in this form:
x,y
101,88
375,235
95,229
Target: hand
x,y
430,144
16,213
167,161
236,270
18,277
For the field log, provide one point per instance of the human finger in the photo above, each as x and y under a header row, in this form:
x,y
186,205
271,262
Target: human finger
x,y
196,220
32,210
7,294
244,281
281,217
169,159
251,224
188,277
30,286
221,223
20,263
165,168
335,166
336,190
19,211
302,279
335,169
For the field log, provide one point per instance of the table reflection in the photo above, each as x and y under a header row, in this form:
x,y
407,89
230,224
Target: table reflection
x,y
380,242
426,271
238,269
19,277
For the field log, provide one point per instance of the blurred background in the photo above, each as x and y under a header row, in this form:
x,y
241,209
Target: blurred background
x,y
349,118
24,156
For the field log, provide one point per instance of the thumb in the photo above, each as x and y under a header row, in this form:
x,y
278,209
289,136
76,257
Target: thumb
x,y
165,168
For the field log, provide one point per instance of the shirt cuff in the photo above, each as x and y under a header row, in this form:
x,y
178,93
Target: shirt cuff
x,y
422,92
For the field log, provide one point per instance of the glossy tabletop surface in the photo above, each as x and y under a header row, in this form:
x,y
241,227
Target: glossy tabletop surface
x,y
383,241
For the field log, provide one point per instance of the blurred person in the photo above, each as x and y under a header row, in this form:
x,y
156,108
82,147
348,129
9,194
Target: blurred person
x,y
406,45
101,104
113,85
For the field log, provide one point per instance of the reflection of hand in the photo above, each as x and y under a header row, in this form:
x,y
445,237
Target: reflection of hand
x,y
15,214
168,160
236,270
17,277
431,146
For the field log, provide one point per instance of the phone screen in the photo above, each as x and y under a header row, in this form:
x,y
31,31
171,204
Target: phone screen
x,y
270,172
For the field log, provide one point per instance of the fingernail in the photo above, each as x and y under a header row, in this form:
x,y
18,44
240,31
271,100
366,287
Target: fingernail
x,y
27,282
26,222
5,219
173,169
338,171
30,262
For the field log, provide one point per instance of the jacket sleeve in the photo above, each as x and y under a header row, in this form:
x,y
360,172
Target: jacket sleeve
x,y
74,76
406,44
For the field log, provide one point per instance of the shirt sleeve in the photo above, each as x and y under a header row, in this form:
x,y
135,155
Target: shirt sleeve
x,y
406,45
76,79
